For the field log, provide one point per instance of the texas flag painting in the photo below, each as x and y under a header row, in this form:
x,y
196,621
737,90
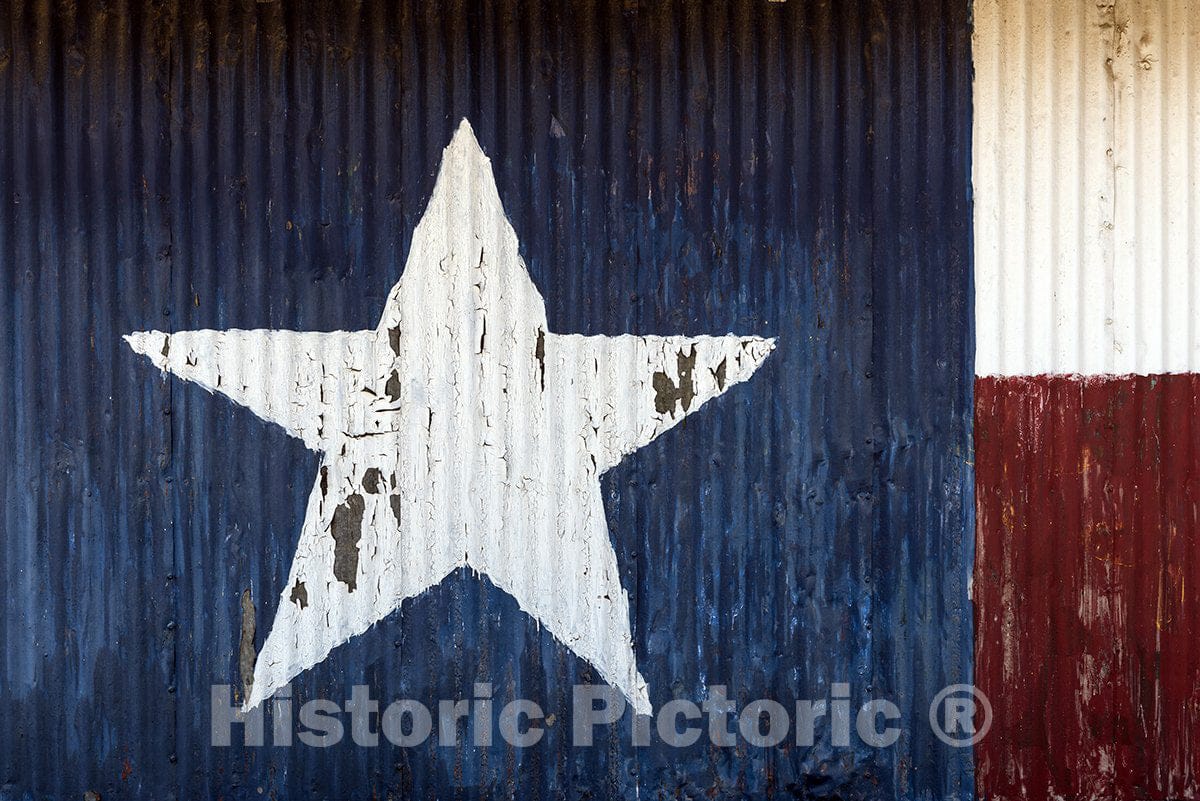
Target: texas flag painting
x,y
599,399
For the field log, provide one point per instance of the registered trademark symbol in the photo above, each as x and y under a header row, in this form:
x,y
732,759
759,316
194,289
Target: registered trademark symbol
x,y
952,715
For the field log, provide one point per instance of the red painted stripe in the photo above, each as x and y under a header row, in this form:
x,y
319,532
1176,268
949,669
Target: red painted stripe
x,y
1087,577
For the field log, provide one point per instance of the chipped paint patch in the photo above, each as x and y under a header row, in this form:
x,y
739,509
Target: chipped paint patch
x,y
397,504
371,479
668,393
346,530
246,652
299,594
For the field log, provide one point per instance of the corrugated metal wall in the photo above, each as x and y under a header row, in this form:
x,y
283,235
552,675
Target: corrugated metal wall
x,y
1085,142
1087,559
1088,537
797,170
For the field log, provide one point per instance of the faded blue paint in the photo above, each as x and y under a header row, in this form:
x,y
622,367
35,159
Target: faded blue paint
x,y
797,170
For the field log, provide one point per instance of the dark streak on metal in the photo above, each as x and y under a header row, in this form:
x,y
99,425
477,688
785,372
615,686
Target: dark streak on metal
x,y
246,649
346,529
395,501
539,353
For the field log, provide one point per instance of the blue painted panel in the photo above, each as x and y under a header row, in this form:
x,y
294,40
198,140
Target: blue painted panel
x,y
797,170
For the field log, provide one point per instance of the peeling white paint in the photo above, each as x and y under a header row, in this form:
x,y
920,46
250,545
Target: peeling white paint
x,y
460,432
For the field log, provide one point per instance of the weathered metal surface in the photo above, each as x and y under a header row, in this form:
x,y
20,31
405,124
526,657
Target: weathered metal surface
x,y
1088,496
793,170
1084,150
1085,146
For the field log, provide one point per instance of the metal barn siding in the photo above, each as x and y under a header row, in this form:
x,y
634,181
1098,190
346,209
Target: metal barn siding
x,y
1088,493
795,170
1085,142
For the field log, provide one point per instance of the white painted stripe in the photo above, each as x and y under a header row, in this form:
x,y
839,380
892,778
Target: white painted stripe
x,y
1085,197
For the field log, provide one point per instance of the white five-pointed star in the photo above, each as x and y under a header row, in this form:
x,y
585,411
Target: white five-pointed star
x,y
459,432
